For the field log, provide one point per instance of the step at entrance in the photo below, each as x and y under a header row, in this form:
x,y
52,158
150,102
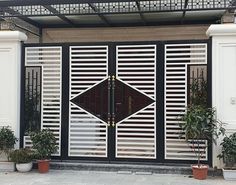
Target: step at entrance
x,y
130,168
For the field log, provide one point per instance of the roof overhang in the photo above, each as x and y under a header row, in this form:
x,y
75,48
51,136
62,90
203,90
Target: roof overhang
x,y
97,13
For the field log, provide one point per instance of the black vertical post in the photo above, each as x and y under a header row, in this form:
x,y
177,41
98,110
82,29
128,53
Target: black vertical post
x,y
160,117
111,143
209,88
65,102
22,95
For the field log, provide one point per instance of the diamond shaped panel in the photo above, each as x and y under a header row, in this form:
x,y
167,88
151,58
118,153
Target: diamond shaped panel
x,y
127,100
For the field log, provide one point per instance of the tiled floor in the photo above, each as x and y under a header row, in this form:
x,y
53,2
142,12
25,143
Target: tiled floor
x,y
64,177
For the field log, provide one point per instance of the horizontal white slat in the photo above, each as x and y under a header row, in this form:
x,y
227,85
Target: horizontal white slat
x,y
88,130
140,120
86,147
89,73
136,73
87,151
102,60
75,48
185,58
44,55
120,47
135,55
39,52
175,90
90,77
125,124
136,148
186,49
77,63
135,129
141,115
122,138
171,63
136,64
150,81
144,143
176,77
130,69
137,77
187,54
149,152
95,142
88,55
75,154
88,82
136,156
135,134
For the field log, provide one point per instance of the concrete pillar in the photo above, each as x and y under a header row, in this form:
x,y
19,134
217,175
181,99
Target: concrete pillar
x,y
223,78
10,79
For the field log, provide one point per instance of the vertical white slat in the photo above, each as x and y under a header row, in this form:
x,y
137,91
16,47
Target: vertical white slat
x,y
177,59
135,65
87,134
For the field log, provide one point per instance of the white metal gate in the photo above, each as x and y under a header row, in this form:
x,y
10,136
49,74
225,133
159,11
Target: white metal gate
x,y
114,109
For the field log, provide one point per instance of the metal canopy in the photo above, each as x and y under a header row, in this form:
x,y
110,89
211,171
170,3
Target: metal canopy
x,y
91,13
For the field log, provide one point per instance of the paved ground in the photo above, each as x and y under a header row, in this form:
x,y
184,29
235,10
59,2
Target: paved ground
x,y
64,177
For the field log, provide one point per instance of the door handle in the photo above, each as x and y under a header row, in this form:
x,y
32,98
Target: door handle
x,y
113,101
109,102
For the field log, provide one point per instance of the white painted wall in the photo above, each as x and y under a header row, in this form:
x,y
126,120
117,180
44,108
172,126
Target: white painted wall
x,y
10,78
223,78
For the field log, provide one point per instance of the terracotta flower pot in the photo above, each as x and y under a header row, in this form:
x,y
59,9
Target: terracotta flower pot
x,y
200,172
43,166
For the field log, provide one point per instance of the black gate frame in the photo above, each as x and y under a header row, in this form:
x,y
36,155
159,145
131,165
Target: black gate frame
x,y
159,94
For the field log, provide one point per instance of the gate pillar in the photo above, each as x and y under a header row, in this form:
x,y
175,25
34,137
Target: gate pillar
x,y
10,79
223,78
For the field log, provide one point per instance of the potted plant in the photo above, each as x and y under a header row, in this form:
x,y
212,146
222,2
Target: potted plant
x,y
7,142
23,159
229,156
44,143
199,124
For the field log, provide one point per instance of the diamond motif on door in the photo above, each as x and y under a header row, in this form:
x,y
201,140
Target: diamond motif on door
x,y
128,100
94,100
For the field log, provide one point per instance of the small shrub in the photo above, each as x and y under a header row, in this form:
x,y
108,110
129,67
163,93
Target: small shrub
x,y
229,150
21,156
7,141
199,123
44,143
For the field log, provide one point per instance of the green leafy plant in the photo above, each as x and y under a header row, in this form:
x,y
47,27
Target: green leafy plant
x,y
44,143
7,141
199,123
229,150
21,156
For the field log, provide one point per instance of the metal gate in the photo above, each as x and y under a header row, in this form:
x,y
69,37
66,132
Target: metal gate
x,y
114,101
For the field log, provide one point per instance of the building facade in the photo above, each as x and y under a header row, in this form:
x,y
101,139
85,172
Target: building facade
x,y
111,78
